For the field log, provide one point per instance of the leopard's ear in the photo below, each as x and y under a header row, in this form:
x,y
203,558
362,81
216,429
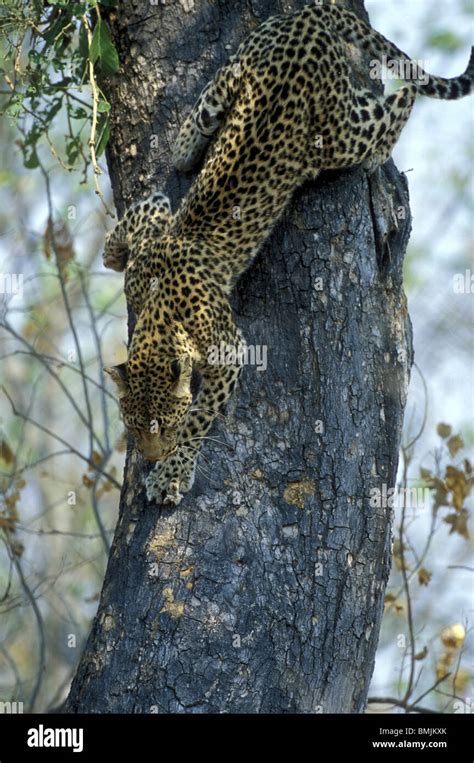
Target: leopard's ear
x,y
118,374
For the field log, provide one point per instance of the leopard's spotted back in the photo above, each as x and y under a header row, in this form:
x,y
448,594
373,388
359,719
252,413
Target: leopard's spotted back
x,y
288,109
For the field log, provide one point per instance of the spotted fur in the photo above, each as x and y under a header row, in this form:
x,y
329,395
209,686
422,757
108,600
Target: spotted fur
x,y
284,108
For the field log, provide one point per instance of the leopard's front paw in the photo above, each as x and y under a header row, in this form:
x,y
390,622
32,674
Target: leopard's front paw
x,y
170,479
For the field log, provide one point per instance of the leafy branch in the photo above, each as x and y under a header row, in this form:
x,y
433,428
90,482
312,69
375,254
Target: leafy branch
x,y
69,49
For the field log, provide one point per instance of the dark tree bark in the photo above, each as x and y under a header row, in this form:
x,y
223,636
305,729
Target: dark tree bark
x,y
263,591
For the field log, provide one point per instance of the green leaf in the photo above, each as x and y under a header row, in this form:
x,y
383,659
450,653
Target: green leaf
x,y
109,60
73,150
83,46
103,139
49,114
53,32
36,57
102,49
15,105
38,8
77,113
103,107
30,159
94,50
445,41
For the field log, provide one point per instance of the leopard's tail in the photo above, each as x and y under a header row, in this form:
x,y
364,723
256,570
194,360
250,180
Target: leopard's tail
x,y
355,31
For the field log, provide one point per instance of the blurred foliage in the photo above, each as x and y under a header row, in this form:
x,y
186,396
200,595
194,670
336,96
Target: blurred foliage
x,y
51,52
438,667
444,40
58,498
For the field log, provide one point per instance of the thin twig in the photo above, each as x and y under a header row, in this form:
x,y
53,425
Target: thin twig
x,y
460,567
428,691
41,636
425,410
98,518
67,306
100,359
68,533
400,703
406,461
57,378
59,361
60,439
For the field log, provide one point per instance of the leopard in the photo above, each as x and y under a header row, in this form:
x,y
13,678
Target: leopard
x,y
283,109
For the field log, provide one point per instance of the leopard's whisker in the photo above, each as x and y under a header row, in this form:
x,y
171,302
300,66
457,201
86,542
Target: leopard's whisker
x,y
216,414
197,451
213,439
201,468
206,472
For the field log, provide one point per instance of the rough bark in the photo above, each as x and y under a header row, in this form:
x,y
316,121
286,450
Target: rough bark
x,y
263,590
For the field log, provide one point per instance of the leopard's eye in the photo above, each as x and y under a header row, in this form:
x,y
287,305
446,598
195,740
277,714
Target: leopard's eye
x,y
175,370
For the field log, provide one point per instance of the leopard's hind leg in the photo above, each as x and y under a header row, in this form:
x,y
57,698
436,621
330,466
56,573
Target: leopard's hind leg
x,y
396,112
206,117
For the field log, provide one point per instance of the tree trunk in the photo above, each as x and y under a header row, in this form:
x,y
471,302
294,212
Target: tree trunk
x,y
263,590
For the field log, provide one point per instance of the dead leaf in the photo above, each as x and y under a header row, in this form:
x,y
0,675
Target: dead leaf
x,y
399,561
17,547
96,460
7,523
456,483
455,444
453,636
57,239
421,655
442,668
424,576
6,452
441,497
458,523
391,601
121,443
444,430
461,680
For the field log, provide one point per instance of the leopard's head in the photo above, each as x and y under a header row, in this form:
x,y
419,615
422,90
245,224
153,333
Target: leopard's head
x,y
154,389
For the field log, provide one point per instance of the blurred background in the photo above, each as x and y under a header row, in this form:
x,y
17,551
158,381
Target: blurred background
x,y
62,448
